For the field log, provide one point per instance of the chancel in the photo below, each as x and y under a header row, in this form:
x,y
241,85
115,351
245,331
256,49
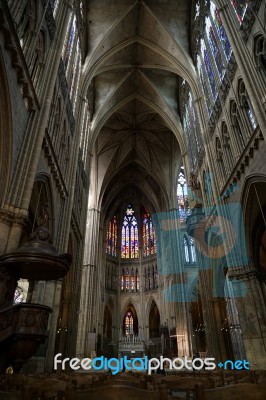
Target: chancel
x,y
133,195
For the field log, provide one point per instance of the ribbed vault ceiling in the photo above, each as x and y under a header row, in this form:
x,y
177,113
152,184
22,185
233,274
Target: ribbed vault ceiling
x,y
137,50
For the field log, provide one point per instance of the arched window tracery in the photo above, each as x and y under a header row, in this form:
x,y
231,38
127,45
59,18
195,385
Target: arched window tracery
x,y
149,242
212,56
235,121
71,55
189,251
240,8
260,54
190,122
130,238
226,142
111,239
129,323
246,105
182,196
220,156
186,251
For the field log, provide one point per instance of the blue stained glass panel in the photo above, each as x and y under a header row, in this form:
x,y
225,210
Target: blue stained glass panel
x,y
221,31
240,7
214,48
209,70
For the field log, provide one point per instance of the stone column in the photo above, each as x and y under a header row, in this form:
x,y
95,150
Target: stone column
x,y
171,264
89,292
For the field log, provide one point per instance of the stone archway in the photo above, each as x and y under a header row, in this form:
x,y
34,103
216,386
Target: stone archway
x,y
107,322
154,321
130,321
252,277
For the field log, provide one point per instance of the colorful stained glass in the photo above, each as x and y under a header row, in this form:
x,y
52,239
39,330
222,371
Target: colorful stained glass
x,y
137,280
209,71
182,197
149,242
130,240
192,130
204,86
240,7
215,16
123,280
214,48
129,321
111,238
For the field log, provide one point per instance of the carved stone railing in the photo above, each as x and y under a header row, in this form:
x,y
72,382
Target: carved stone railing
x,y
243,162
131,343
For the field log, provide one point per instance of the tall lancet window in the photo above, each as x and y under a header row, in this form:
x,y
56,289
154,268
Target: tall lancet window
x,y
182,196
111,239
149,243
130,239
216,17
129,323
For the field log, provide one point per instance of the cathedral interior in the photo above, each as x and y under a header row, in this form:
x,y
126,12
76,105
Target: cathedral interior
x,y
133,196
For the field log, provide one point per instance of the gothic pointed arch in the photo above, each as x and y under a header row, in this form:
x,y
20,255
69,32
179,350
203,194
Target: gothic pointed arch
x,y
42,202
254,214
154,321
108,319
130,324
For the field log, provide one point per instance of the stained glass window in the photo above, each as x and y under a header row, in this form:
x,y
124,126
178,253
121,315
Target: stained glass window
x,y
209,70
189,250
130,240
246,105
129,321
182,196
235,120
186,251
137,280
213,53
71,56
240,7
69,43
149,242
192,250
214,48
132,280
191,128
215,15
123,279
111,240
127,280
204,85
